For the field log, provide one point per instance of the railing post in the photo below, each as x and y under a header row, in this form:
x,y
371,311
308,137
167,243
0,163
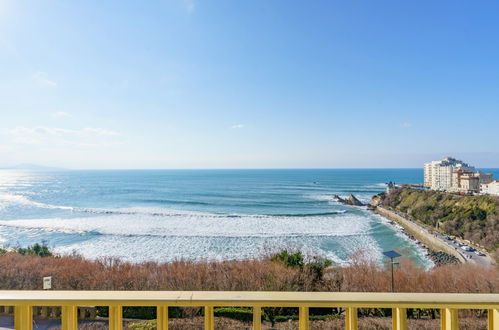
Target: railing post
x,y
115,318
209,318
162,317
448,319
304,318
69,317
399,318
23,317
493,318
257,318
351,321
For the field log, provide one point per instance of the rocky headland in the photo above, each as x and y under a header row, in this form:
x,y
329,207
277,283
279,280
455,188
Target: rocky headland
x,y
351,200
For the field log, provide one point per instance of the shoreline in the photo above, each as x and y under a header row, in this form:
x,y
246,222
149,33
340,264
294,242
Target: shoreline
x,y
421,235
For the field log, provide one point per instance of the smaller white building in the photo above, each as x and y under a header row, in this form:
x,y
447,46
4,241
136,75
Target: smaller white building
x,y
483,177
490,188
465,182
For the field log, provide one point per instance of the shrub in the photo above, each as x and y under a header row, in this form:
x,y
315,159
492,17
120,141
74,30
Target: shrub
x,y
72,272
149,325
317,267
40,250
289,259
236,313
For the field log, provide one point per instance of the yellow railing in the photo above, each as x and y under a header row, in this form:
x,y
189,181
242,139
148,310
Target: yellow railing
x,y
23,302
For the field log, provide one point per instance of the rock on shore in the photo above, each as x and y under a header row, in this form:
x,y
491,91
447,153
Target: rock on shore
x,y
442,258
351,200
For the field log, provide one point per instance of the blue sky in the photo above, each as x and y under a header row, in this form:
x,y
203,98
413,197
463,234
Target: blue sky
x,y
248,84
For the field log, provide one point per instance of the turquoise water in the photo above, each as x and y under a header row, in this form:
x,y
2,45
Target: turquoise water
x,y
199,214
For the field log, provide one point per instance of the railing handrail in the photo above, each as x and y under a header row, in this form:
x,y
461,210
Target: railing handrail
x,y
251,298
448,303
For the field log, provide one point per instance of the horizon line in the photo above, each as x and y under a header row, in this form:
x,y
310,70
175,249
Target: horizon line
x,y
52,169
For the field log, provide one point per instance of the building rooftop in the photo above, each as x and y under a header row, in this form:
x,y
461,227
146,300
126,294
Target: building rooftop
x,y
489,182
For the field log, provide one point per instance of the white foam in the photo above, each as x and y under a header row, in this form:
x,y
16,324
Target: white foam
x,y
201,224
325,197
400,232
7,199
142,248
139,234
363,197
375,185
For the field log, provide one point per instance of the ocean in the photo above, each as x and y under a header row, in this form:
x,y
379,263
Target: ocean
x,y
165,215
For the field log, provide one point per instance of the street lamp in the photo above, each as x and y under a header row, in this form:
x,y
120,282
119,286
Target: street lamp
x,y
392,255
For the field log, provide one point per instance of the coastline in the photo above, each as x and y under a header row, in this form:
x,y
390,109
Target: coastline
x,y
420,234
443,245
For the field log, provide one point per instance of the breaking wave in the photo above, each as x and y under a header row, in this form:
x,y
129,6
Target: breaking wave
x,y
10,199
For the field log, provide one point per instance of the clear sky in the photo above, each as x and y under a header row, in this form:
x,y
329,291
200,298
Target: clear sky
x,y
248,84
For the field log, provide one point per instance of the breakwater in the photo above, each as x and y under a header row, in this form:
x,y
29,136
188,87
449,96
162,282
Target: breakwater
x,y
420,233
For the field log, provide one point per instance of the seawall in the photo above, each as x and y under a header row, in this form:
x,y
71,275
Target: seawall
x,y
419,233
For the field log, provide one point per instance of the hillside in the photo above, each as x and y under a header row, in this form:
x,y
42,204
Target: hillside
x,y
474,218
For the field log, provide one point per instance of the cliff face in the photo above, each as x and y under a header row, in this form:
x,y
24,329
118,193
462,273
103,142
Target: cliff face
x,y
474,218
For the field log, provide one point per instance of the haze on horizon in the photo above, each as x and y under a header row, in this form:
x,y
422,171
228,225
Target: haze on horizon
x,y
248,84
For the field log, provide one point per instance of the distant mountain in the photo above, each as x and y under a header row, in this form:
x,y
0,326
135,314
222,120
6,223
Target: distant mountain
x,y
31,167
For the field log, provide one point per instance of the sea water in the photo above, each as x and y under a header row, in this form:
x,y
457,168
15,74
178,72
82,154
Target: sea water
x,y
165,215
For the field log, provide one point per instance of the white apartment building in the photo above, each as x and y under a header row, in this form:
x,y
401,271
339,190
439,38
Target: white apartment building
x,y
490,188
438,173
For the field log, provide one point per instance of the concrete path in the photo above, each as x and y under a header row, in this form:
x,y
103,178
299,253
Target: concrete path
x,y
7,322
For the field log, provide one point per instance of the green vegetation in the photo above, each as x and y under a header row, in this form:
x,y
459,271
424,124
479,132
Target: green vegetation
x,y
142,312
143,325
237,313
288,259
316,265
475,218
243,314
41,250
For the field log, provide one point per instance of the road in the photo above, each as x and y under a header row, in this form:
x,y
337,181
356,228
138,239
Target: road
x,y
471,256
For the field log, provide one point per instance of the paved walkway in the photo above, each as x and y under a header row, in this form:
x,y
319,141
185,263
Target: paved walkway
x,y
7,322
